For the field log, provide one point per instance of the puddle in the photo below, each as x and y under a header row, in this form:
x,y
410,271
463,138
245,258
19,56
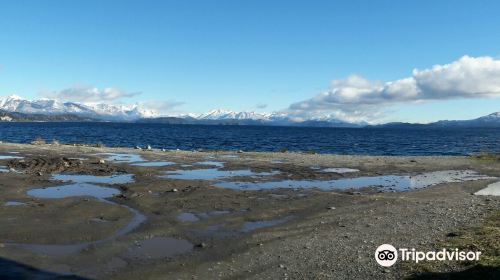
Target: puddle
x,y
160,247
60,250
154,163
212,174
229,156
194,217
2,157
78,189
251,226
77,158
187,217
116,157
3,169
385,183
219,164
82,185
112,179
340,170
14,203
277,161
491,189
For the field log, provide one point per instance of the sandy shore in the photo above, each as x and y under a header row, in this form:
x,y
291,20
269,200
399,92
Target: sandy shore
x,y
194,230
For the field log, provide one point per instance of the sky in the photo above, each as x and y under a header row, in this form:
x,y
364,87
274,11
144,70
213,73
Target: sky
x,y
375,61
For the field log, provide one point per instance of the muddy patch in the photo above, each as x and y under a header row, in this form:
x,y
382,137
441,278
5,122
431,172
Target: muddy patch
x,y
159,248
45,165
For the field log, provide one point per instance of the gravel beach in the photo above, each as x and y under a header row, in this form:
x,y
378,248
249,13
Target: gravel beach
x,y
127,214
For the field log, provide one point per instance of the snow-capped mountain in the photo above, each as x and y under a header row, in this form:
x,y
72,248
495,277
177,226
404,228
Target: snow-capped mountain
x,y
16,104
221,114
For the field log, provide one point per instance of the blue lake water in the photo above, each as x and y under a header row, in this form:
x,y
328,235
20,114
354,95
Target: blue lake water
x,y
360,141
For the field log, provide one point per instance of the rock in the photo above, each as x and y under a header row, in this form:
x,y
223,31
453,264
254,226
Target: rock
x,y
39,173
201,245
282,266
148,147
331,208
138,148
101,161
163,150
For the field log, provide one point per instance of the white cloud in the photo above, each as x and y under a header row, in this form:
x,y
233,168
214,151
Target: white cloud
x,y
161,107
361,99
89,94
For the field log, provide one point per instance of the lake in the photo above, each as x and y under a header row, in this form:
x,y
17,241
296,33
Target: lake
x,y
355,141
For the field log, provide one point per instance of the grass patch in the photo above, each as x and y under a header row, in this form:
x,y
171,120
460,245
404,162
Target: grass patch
x,y
484,238
487,157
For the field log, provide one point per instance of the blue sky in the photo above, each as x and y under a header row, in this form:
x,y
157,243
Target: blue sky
x,y
238,54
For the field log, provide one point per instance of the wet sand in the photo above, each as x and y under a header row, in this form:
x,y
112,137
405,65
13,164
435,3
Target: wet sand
x,y
172,222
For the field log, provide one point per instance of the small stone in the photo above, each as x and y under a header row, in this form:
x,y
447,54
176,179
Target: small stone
x,y
101,161
175,190
201,245
148,147
331,208
39,173
282,266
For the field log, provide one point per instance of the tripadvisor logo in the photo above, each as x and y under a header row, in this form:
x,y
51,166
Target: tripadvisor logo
x,y
386,255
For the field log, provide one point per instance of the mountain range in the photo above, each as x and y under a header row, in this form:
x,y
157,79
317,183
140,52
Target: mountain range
x,y
14,108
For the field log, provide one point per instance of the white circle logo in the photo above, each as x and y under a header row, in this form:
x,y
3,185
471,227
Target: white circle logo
x,y
386,255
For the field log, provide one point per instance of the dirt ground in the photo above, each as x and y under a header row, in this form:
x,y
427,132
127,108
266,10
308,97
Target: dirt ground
x,y
194,230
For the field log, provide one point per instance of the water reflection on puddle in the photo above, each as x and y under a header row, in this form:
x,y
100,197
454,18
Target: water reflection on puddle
x,y
112,179
116,157
154,163
385,183
491,189
2,157
3,169
340,170
79,189
194,217
218,164
212,174
14,203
